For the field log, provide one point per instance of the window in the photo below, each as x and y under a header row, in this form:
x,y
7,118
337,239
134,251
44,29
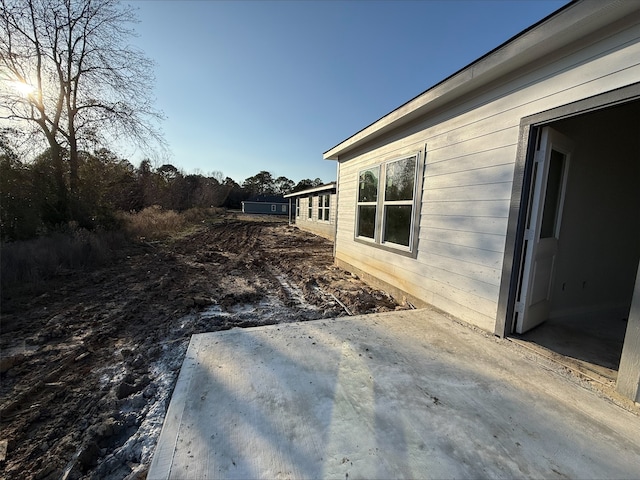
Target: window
x,y
386,203
298,207
310,213
398,200
323,207
273,208
284,208
367,202
552,202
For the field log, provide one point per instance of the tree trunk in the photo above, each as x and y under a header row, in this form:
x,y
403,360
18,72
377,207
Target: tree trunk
x,y
62,200
75,209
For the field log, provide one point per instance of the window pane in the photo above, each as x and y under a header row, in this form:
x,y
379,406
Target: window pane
x,y
552,195
368,185
366,221
400,176
326,214
397,224
326,200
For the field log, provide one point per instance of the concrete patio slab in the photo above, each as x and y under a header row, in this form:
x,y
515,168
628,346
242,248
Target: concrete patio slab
x,y
408,394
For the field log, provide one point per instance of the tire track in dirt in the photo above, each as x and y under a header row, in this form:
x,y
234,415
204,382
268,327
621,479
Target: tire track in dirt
x,y
90,358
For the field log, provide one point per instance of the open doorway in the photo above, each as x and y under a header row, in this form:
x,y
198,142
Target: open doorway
x,y
575,302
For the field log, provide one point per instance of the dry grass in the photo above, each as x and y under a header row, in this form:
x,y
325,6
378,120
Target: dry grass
x,y
32,261
202,215
29,263
154,223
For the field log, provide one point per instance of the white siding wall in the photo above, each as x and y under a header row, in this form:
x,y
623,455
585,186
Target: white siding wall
x,y
313,224
470,158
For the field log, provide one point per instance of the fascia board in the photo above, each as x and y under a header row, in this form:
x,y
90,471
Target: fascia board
x,y
321,188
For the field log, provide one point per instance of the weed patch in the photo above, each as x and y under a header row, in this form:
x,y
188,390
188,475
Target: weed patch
x,y
29,263
155,223
33,261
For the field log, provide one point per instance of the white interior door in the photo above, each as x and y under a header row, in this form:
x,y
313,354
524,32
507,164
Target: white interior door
x,y
544,216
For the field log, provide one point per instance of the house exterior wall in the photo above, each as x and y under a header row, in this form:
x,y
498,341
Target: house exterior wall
x,y
314,224
469,151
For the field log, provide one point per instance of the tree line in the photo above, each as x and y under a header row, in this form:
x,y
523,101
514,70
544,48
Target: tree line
x,y
106,184
72,85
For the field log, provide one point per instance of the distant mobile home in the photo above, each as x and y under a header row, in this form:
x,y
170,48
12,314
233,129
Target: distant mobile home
x,y
507,194
266,204
314,210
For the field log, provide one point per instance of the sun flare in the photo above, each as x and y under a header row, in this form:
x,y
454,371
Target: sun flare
x,y
24,88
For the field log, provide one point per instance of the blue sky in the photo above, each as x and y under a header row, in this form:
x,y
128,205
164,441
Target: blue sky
x,y
250,86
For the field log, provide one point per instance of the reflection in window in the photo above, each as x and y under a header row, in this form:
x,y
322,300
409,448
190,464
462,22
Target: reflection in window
x,y
397,224
368,185
398,201
399,180
366,221
367,202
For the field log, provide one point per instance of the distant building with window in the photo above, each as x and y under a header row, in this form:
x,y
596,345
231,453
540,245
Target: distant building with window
x,y
314,210
266,205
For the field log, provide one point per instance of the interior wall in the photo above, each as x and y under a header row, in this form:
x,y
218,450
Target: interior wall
x,y
599,244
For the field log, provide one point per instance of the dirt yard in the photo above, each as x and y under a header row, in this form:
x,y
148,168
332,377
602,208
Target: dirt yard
x,y
89,363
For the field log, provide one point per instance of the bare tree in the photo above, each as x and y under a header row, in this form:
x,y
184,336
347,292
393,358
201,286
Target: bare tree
x,y
69,75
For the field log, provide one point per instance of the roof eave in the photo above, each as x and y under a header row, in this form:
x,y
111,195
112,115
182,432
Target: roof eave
x,y
567,24
320,188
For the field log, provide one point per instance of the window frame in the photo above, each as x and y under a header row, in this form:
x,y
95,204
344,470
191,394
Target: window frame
x,y
310,208
297,207
324,206
382,203
367,203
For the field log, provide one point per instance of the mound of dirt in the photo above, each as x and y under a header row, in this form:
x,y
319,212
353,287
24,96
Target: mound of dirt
x,y
88,364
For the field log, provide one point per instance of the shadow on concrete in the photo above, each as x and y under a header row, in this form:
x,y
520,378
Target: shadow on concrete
x,y
400,395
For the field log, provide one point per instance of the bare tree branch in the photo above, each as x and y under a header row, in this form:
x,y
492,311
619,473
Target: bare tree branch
x,y
67,69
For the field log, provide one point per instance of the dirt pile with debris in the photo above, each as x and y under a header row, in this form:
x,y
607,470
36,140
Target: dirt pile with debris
x,y
89,363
